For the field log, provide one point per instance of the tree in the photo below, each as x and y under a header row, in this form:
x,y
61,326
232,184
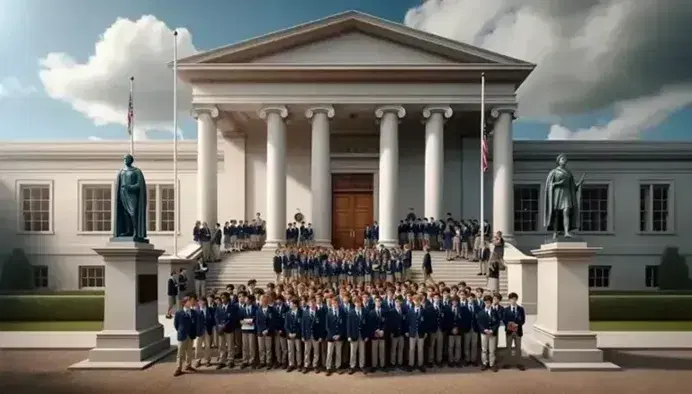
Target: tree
x,y
17,272
673,272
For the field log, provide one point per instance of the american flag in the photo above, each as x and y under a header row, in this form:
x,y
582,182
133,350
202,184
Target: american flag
x,y
484,151
130,111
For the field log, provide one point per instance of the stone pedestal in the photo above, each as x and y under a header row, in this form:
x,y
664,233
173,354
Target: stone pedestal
x,y
168,264
521,277
132,337
561,333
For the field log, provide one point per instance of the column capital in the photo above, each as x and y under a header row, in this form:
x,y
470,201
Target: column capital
x,y
397,109
325,109
445,110
497,111
279,109
207,109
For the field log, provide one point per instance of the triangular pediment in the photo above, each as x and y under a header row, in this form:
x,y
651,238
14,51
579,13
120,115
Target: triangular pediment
x,y
351,38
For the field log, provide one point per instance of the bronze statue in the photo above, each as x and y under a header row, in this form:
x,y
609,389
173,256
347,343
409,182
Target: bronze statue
x,y
130,203
562,199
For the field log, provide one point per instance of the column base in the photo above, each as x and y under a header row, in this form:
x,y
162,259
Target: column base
x,y
133,350
568,350
273,244
388,243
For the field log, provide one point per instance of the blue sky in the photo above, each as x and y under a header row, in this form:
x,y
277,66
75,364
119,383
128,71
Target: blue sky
x,y
30,29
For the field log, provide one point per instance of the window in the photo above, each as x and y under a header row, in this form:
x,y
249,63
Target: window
x,y
96,206
161,208
593,213
654,208
526,207
35,208
599,276
40,276
91,276
651,275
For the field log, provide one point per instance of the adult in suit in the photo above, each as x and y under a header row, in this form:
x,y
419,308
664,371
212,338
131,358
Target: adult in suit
x,y
357,331
185,324
514,317
378,335
416,332
205,329
292,326
311,332
427,266
265,326
396,328
227,319
336,334
248,321
489,324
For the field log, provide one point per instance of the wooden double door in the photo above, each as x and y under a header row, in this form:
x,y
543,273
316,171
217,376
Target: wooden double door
x,y
352,208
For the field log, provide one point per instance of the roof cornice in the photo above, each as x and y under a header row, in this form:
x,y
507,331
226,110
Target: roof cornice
x,y
603,150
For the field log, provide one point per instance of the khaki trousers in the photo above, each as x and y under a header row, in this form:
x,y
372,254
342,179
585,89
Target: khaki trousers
x,y
513,349
435,346
249,340
416,351
488,349
207,253
471,347
377,353
264,344
454,348
203,347
280,349
295,354
184,354
334,354
396,356
357,348
311,351
226,347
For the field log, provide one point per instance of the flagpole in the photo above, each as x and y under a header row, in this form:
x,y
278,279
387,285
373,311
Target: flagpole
x,y
482,169
132,121
175,143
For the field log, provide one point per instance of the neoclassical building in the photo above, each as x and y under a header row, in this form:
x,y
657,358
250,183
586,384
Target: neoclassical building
x,y
348,120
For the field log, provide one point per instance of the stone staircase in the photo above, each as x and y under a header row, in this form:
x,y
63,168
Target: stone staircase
x,y
238,268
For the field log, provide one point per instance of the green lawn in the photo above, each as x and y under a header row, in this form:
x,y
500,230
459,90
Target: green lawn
x,y
641,325
51,326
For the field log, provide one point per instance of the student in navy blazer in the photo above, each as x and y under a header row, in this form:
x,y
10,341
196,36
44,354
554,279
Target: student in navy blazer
x,y
417,331
358,333
488,320
312,333
248,322
264,326
205,329
227,320
292,327
396,328
185,324
514,317
335,321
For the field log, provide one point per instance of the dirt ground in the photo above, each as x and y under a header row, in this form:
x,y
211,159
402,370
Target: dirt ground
x,y
45,372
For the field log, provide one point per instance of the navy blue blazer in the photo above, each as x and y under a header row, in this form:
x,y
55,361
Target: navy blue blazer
x,y
252,314
292,323
357,327
205,321
416,322
265,321
312,326
461,319
396,322
437,317
227,317
378,322
488,321
185,324
517,316
335,324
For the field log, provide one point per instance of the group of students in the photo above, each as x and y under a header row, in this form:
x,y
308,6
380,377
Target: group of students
x,y
239,235
299,234
308,326
364,265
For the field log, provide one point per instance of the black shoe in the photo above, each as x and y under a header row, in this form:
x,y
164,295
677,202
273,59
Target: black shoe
x,y
329,372
262,366
243,365
494,368
189,369
351,371
220,366
177,373
231,365
290,369
318,370
422,369
521,367
342,371
484,368
198,364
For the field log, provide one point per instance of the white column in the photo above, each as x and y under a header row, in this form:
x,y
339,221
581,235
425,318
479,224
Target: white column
x,y
276,175
207,164
320,174
434,159
503,172
389,116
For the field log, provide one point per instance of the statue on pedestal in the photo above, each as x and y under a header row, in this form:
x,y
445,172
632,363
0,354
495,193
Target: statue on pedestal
x,y
562,200
130,203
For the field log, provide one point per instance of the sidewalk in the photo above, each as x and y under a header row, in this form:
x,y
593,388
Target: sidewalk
x,y
87,339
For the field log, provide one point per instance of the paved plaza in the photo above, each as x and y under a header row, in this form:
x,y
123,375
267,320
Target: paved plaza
x,y
45,372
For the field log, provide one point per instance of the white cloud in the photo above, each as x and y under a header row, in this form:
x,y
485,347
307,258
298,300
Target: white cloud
x,y
99,88
94,138
591,54
632,117
13,87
